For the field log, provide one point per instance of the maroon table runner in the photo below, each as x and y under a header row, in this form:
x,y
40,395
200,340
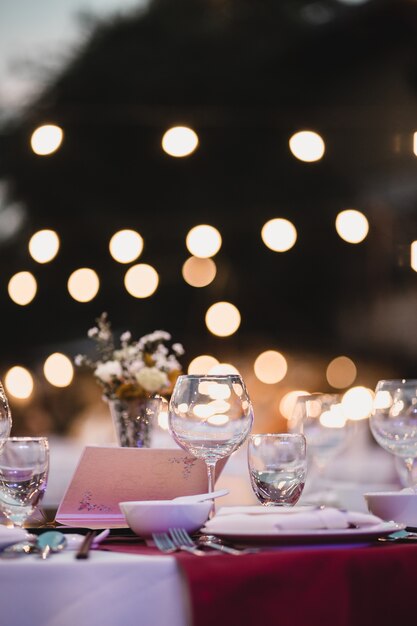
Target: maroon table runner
x,y
300,586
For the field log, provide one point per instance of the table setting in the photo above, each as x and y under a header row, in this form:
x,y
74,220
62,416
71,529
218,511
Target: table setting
x,y
156,515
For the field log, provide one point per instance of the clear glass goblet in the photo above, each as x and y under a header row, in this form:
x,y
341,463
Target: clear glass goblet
x,y
320,418
210,416
5,417
24,464
277,467
393,421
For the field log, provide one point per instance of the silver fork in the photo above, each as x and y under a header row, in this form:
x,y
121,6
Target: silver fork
x,y
164,543
183,541
210,543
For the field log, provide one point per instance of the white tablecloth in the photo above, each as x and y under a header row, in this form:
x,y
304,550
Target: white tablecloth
x,y
108,589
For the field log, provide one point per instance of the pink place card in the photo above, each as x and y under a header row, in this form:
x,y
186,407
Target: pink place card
x,y
106,476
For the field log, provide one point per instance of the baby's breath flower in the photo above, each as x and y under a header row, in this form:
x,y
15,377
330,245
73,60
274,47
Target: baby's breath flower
x,y
136,368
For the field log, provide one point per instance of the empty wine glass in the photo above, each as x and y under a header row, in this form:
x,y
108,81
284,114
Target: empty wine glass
x,y
393,420
320,418
277,467
210,416
24,463
5,417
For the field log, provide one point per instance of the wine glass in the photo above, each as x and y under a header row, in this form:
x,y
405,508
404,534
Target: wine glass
x,y
321,419
210,416
277,467
393,420
24,464
5,417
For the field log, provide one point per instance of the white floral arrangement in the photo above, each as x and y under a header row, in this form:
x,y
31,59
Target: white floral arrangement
x,y
137,368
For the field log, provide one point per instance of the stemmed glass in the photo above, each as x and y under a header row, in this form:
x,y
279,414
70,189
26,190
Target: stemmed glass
x,y
393,421
24,464
321,419
5,417
210,416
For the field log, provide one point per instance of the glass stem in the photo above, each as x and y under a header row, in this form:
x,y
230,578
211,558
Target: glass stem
x,y
211,469
409,465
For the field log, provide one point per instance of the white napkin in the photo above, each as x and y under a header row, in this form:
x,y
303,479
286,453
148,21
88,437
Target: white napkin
x,y
261,519
9,535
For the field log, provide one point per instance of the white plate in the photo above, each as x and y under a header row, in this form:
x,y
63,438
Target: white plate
x,y
314,536
11,535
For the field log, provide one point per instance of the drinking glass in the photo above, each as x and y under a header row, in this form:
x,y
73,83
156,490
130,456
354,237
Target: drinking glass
x,y
210,416
24,463
5,417
277,467
321,419
393,420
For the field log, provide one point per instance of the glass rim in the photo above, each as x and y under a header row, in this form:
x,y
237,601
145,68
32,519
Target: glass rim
x,y
397,381
320,394
287,435
208,376
25,439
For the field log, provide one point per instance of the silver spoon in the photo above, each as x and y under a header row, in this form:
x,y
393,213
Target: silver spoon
x,y
218,544
49,542
20,549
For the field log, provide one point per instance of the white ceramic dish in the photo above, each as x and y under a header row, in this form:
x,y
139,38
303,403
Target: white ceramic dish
x,y
341,535
156,516
398,506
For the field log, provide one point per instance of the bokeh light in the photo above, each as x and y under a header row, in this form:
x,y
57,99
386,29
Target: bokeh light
x,y
341,372
279,234
180,141
19,382
83,284
413,254
270,367
288,402
203,241
223,319
357,403
46,139
199,272
352,226
58,370
222,369
141,280
22,288
307,146
126,246
202,364
163,420
44,245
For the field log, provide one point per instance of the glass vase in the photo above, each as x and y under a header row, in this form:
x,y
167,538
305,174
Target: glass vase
x,y
133,420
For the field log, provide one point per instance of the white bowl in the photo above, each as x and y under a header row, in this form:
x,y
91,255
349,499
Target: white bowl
x,y
394,506
145,517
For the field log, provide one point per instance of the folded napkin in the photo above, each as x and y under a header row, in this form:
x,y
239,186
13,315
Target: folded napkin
x,y
9,535
262,519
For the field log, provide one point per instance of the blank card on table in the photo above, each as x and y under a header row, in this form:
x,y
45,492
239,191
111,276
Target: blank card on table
x,y
106,476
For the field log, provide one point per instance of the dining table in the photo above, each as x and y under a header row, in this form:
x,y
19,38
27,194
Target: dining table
x,y
125,581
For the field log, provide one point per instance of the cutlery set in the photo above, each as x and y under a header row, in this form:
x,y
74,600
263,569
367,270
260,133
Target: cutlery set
x,y
179,539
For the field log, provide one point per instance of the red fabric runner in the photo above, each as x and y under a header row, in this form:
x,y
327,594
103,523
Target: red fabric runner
x,y
301,586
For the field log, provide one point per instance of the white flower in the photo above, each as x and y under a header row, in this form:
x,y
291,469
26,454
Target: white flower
x,y
108,370
136,366
93,332
79,360
178,348
151,379
126,336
